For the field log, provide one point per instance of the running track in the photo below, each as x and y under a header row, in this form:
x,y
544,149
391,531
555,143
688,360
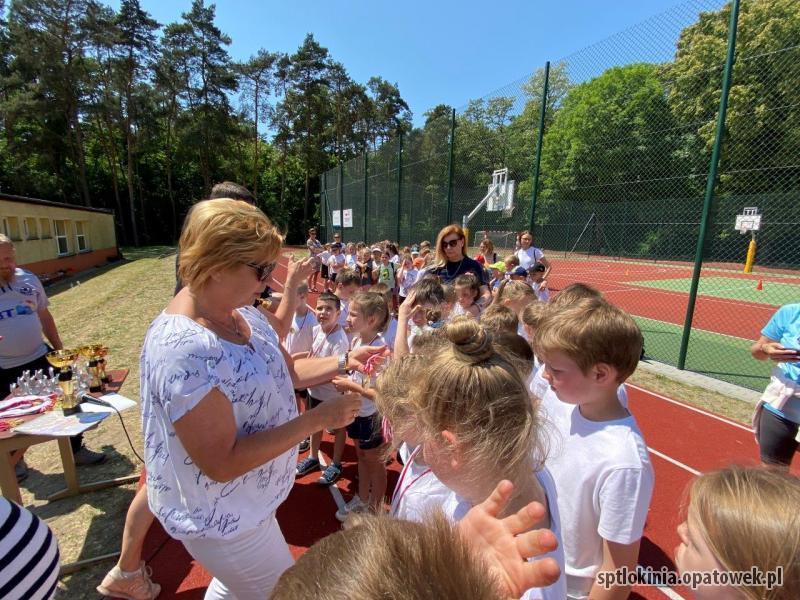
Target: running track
x,y
683,442
737,318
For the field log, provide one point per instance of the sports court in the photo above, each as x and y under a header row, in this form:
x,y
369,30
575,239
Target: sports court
x,y
729,314
677,436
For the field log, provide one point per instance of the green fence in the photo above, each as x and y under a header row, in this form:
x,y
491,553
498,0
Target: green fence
x,y
620,138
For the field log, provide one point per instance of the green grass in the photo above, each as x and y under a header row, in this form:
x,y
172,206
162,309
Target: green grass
x,y
775,294
716,355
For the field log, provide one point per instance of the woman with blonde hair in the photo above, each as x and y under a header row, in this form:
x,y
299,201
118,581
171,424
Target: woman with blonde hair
x,y
218,407
452,261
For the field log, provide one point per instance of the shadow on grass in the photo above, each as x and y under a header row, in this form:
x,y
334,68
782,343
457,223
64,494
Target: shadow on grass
x,y
128,255
131,253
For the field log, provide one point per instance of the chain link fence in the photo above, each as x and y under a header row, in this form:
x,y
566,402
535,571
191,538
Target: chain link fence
x,y
613,176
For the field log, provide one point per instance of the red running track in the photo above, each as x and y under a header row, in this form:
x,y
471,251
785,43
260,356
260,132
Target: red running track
x,y
719,315
682,440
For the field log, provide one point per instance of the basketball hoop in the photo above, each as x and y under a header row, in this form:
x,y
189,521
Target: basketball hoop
x,y
749,220
500,193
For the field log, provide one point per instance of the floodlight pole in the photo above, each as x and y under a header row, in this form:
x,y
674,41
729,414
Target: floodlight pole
x,y
710,183
450,168
399,182
341,200
366,190
539,137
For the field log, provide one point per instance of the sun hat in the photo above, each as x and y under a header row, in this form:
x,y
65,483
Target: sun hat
x,y
499,265
519,272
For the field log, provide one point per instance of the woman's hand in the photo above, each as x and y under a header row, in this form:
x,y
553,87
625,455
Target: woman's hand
x,y
345,385
298,270
506,544
776,352
339,412
358,358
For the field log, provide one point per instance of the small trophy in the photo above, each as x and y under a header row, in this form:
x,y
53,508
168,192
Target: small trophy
x,y
64,361
94,353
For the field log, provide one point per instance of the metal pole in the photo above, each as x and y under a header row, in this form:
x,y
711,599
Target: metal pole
x,y
366,193
450,168
324,216
710,183
399,182
341,200
540,135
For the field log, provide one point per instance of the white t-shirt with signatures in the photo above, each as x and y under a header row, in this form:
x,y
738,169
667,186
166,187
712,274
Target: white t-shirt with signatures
x,y
181,363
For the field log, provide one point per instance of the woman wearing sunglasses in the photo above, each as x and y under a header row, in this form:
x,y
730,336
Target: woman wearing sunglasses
x,y
219,415
452,261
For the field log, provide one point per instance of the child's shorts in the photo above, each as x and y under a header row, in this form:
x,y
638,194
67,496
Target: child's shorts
x,y
302,393
324,271
332,276
312,402
367,431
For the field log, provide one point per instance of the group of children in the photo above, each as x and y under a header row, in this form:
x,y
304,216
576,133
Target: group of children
x,y
531,391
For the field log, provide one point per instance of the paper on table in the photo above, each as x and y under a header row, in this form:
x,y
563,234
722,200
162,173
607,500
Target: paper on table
x,y
118,401
56,424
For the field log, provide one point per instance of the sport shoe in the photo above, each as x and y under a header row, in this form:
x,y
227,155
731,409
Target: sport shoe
x,y
354,506
21,470
131,586
307,465
330,474
84,457
304,445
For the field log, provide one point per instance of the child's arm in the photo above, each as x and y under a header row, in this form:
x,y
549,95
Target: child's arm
x,y
615,556
474,311
346,385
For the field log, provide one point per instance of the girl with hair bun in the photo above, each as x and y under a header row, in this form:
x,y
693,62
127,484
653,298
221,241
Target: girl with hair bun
x,y
471,416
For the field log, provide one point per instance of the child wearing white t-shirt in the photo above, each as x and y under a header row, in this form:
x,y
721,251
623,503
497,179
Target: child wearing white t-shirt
x,y
329,340
369,316
406,277
335,264
301,334
347,284
598,458
470,417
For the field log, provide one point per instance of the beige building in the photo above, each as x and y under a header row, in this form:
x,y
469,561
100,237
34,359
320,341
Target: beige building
x,y
54,239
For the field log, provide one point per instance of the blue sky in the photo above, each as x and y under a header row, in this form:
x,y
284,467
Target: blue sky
x,y
436,51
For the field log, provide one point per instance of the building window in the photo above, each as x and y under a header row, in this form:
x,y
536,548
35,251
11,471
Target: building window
x,y
12,229
80,236
31,229
44,227
61,237
5,227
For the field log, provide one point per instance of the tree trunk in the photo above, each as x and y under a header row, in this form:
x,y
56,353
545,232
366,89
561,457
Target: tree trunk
x,y
81,156
111,152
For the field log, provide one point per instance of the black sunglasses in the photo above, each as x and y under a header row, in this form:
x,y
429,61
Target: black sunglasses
x,y
263,271
451,243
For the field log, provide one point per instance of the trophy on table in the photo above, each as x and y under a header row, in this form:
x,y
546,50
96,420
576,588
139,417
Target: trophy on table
x,y
95,354
64,361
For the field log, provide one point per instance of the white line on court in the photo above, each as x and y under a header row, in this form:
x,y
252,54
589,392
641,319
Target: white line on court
x,y
689,407
675,462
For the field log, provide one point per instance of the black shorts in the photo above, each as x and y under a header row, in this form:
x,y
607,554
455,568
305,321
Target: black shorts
x,y
302,393
324,271
367,431
777,441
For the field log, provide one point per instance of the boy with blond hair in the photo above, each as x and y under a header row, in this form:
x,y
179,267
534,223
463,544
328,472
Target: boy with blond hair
x,y
601,465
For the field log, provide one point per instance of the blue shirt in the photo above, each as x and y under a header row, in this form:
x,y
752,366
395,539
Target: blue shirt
x,y
784,327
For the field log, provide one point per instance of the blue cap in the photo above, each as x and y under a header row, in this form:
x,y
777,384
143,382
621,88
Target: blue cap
x,y
519,272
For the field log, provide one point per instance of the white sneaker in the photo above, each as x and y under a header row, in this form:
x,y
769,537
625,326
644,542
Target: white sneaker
x,y
354,506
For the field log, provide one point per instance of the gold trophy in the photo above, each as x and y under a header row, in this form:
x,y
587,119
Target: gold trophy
x,y
95,353
63,360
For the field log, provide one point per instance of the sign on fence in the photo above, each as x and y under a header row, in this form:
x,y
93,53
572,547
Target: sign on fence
x,y
336,218
348,217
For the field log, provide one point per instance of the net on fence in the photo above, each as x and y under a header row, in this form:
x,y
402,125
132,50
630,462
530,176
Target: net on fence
x,y
626,144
